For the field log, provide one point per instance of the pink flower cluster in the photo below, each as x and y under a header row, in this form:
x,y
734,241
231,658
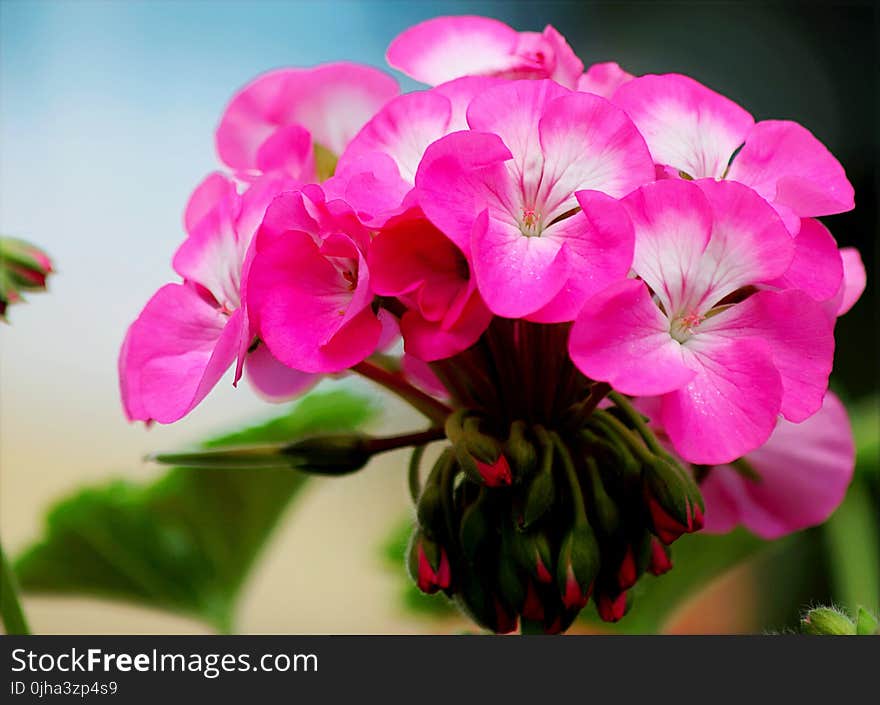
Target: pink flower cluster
x,y
674,235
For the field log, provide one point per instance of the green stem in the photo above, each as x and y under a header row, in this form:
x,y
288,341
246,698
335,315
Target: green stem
x,y
622,403
624,434
433,409
415,485
577,496
14,621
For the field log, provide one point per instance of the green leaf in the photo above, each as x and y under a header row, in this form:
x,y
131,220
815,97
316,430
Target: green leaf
x,y
186,541
866,623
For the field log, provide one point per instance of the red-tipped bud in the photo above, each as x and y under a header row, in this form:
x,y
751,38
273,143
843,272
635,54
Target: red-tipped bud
x,y
533,605
673,501
23,267
627,572
479,455
534,555
611,608
495,474
578,566
660,561
429,565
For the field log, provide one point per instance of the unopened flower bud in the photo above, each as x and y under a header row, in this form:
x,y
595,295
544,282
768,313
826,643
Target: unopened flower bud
x,y
521,453
540,492
479,602
827,621
603,509
480,456
428,564
660,559
23,267
611,606
430,509
627,571
578,566
673,501
332,454
534,555
477,528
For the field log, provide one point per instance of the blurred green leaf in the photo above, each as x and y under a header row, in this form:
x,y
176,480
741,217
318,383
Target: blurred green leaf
x,y
185,542
865,419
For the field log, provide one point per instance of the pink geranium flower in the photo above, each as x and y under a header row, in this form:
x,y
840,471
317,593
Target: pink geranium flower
x,y
277,120
695,131
444,48
189,334
801,476
505,192
411,260
309,294
727,359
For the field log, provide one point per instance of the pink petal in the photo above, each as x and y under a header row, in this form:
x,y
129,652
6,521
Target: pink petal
x,y
567,68
673,224
686,125
786,164
215,187
421,375
452,180
588,143
175,353
854,280
372,186
274,381
730,407
289,149
597,244
304,308
817,267
445,48
621,337
804,471
429,340
603,79
332,102
212,256
750,244
799,336
517,275
512,111
403,129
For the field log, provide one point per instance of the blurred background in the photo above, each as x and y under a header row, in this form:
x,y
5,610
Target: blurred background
x,y
107,111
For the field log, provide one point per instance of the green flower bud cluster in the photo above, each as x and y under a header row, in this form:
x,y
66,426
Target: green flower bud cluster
x,y
530,524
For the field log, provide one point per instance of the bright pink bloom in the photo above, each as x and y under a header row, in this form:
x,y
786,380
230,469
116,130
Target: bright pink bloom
x,y
444,48
691,129
274,122
189,334
376,173
308,291
854,281
603,79
413,261
725,360
505,192
803,472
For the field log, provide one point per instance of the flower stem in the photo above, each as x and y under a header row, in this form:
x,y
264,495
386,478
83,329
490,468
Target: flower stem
x,y
415,484
14,621
638,421
433,409
577,496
